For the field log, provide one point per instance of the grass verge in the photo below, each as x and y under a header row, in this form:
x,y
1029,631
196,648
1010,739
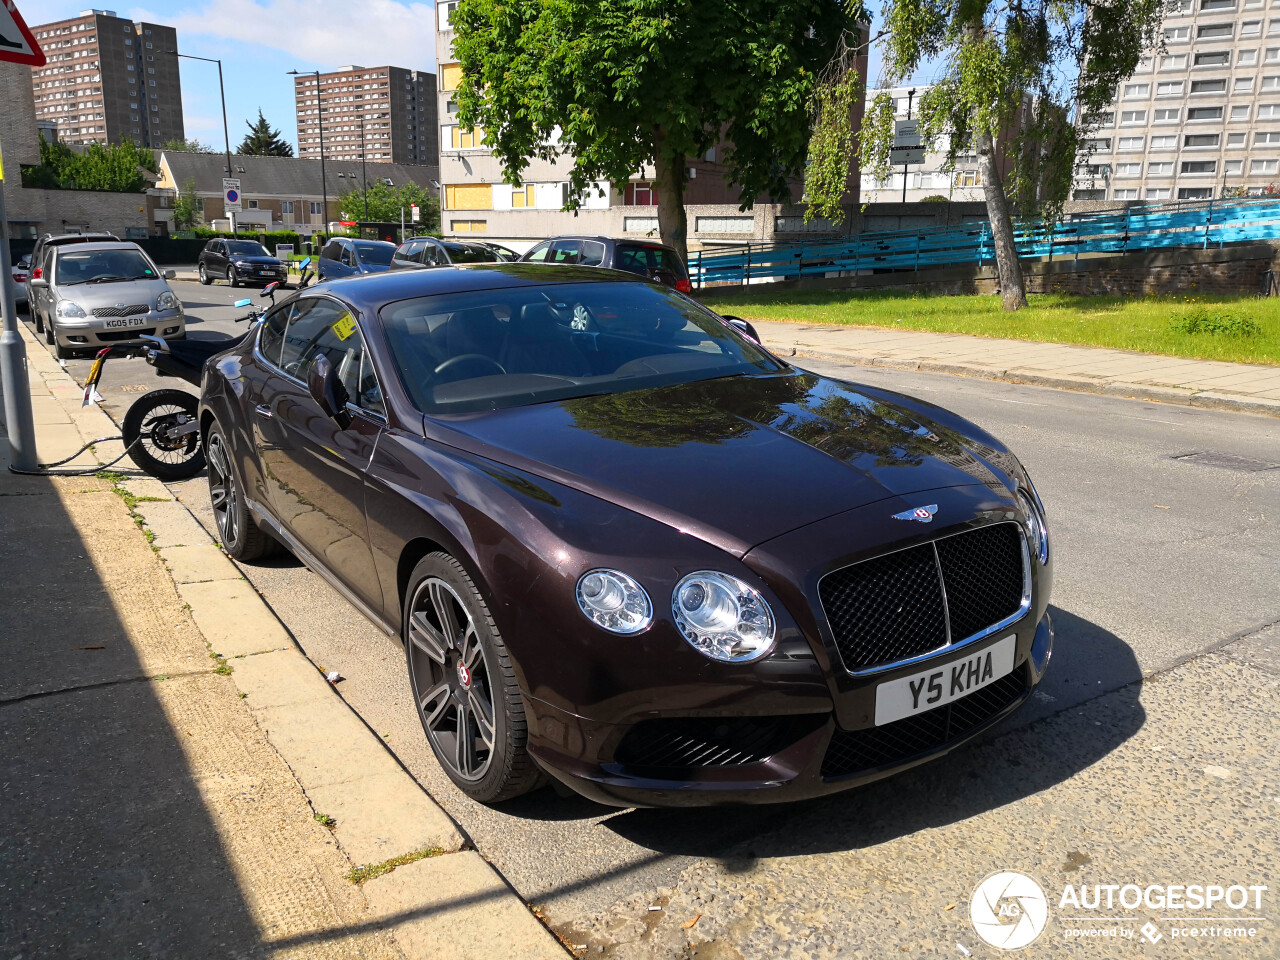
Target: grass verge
x,y
1241,329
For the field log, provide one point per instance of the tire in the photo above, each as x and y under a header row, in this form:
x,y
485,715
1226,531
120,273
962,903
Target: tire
x,y
39,320
48,332
451,702
241,537
232,278
143,435
204,276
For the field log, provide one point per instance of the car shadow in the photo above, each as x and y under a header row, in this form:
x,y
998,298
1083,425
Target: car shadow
x,y
1066,727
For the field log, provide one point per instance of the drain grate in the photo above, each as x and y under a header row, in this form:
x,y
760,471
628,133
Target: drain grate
x,y
1226,461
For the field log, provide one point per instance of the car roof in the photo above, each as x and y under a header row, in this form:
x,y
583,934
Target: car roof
x,y
371,291
633,240
58,239
106,245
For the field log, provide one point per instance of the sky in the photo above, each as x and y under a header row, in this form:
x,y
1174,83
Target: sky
x,y
259,42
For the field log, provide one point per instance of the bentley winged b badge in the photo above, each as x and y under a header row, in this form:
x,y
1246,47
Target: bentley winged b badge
x,y
923,514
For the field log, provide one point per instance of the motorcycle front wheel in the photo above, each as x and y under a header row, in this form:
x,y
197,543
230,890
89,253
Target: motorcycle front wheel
x,y
153,446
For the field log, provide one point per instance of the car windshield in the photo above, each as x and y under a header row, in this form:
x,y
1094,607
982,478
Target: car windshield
x,y
102,266
471,253
246,248
489,349
380,253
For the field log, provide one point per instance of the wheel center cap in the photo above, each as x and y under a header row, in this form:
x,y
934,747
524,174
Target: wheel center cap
x,y
464,675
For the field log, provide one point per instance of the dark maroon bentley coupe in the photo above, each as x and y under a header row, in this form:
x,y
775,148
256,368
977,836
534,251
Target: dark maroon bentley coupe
x,y
625,546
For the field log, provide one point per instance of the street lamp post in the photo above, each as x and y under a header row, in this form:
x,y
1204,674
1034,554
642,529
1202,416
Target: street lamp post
x,y
324,183
226,134
364,176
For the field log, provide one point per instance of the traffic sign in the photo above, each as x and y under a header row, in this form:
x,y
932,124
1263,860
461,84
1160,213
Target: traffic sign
x,y
16,42
906,156
413,212
231,192
906,133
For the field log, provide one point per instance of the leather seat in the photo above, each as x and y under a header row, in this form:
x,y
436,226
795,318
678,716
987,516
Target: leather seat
x,y
538,344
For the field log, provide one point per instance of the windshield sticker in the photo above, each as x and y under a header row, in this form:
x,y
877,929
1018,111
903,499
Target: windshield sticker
x,y
344,326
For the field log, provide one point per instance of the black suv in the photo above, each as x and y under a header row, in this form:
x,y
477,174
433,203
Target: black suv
x,y
239,261
654,261
430,252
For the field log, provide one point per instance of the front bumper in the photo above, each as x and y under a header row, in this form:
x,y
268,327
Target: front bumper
x,y
82,333
775,759
257,273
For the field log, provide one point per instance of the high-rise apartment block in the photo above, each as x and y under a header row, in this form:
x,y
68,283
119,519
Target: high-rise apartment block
x,y
1199,119
109,80
386,114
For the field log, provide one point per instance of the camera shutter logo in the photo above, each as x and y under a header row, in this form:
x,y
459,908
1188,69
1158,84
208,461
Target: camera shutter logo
x,y
1009,910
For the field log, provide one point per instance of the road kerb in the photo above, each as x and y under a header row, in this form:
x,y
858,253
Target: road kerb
x,y
380,811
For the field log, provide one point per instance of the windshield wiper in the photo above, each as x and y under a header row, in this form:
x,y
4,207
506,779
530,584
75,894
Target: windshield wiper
x,y
107,279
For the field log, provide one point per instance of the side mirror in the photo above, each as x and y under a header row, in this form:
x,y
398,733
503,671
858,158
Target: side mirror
x,y
306,262
39,283
242,303
742,326
328,392
171,274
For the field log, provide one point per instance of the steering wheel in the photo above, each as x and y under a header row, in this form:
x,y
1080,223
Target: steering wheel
x,y
471,358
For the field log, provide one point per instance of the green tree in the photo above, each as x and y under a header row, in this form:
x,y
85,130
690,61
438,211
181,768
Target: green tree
x,y
263,141
187,146
1021,83
627,83
187,209
385,203
119,168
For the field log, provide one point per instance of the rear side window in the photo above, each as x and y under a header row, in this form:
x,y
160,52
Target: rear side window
x,y
566,251
592,253
332,250
410,251
633,260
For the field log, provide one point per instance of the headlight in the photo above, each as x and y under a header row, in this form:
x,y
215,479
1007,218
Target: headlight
x,y
1036,526
69,308
722,617
614,601
241,263
167,301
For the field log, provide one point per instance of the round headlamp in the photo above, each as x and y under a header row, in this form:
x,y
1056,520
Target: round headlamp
x,y
722,617
612,600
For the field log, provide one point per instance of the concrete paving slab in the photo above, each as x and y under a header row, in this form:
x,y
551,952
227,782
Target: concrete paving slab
x,y
458,908
193,564
233,618
382,816
171,524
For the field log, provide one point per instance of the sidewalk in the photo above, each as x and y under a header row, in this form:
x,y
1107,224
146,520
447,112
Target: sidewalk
x,y
179,779
1243,387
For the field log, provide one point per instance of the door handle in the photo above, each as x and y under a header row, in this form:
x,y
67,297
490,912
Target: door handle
x,y
263,411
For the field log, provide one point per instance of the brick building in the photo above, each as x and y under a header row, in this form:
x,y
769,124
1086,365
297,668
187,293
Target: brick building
x,y
109,80
385,113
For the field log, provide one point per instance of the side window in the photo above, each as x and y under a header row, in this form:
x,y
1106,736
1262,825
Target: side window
x,y
592,253
322,327
566,251
369,393
633,260
271,334
539,253
431,255
410,251
331,250
311,319
348,256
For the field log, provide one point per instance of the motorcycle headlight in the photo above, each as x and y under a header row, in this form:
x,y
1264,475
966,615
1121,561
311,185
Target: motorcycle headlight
x,y
167,301
69,309
1037,528
612,600
722,617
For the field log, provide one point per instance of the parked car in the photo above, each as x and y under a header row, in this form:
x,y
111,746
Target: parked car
x,y
18,273
239,261
93,294
417,252
646,557
45,244
345,257
653,261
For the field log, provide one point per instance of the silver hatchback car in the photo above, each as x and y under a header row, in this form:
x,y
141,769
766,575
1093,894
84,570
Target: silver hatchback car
x,y
97,294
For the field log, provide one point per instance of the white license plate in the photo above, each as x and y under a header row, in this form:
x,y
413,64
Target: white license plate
x,y
939,685
266,273
124,323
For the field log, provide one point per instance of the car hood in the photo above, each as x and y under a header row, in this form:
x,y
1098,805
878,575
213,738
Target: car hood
x,y
90,295
740,460
260,261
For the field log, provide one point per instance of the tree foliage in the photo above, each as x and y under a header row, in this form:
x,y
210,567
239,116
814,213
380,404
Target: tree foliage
x,y
119,168
187,209
386,202
1021,81
187,146
617,85
263,141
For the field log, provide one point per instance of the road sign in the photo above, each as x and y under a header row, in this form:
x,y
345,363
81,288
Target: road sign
x,y
906,156
906,133
413,212
16,42
231,192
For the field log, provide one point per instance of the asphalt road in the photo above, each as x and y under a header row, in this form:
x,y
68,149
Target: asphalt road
x,y
1164,525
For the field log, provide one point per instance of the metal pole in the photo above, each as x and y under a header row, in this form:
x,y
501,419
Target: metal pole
x,y
911,95
364,176
13,359
226,134
324,183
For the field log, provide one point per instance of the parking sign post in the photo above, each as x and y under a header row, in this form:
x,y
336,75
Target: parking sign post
x,y
19,47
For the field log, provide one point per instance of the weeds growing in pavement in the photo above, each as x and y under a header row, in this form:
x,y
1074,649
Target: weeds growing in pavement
x,y
364,874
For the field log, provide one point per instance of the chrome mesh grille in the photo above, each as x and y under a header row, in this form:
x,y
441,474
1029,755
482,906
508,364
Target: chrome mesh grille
x,y
130,310
892,608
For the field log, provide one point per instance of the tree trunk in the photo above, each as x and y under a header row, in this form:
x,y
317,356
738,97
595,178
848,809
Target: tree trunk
x,y
673,226
1012,290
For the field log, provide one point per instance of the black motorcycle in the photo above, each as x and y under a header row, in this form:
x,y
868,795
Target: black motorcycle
x,y
161,431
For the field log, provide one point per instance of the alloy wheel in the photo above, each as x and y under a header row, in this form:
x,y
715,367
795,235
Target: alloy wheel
x,y
223,492
451,679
